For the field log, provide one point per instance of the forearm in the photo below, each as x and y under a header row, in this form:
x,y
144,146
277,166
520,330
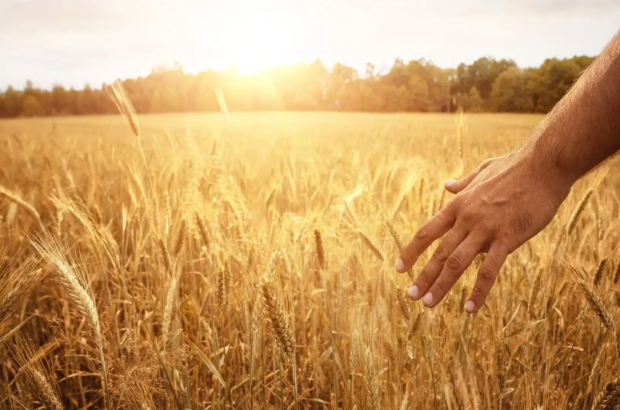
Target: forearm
x,y
584,127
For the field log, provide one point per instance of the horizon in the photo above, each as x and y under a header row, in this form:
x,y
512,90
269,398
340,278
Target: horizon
x,y
73,43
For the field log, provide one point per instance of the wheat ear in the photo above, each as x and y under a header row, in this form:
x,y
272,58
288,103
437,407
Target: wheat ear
x,y
577,212
202,230
18,282
598,274
609,399
220,289
163,251
594,298
118,95
33,372
72,279
168,308
179,240
276,319
401,300
371,245
370,383
13,197
320,252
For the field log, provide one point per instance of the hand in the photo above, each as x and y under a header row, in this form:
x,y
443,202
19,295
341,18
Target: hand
x,y
498,207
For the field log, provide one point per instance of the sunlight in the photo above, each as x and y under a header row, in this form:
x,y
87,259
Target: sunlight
x,y
250,37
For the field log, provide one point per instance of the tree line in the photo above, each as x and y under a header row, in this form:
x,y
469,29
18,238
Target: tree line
x,y
486,85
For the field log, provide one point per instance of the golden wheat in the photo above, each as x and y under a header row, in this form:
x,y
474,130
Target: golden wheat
x,y
248,307
73,280
278,324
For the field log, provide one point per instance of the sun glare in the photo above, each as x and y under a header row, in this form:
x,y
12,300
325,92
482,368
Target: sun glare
x,y
250,37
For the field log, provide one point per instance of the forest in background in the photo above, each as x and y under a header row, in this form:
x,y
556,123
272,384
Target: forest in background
x,y
486,85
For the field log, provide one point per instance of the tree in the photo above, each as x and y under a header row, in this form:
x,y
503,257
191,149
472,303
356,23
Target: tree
x,y
339,78
416,85
30,107
472,101
510,92
12,102
554,78
418,92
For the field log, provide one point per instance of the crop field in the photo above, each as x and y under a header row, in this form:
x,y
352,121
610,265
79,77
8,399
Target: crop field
x,y
245,261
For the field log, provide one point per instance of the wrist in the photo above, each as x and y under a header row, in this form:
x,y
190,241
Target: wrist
x,y
546,170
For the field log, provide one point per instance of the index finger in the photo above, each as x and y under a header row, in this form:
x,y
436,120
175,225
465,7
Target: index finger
x,y
428,233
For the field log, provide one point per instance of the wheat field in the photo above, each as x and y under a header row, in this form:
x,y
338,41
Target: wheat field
x,y
245,261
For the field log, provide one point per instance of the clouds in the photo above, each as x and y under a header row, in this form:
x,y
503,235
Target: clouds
x,y
78,41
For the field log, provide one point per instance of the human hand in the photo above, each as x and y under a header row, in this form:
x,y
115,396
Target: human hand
x,y
498,207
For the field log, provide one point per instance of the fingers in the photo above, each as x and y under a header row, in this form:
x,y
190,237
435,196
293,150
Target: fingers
x,y
454,267
486,278
426,235
456,186
433,268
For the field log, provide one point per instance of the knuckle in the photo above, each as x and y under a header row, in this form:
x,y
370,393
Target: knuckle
x,y
423,279
454,263
439,289
422,233
485,228
505,244
501,244
477,293
440,255
453,205
468,215
486,274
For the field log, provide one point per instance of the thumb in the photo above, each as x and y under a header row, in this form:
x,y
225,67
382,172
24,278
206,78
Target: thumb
x,y
456,186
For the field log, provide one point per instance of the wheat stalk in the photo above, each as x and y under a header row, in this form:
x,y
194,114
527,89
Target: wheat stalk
x,y
32,370
18,282
220,290
43,389
598,274
401,300
163,252
168,308
202,230
276,319
179,240
609,399
320,252
117,93
371,245
168,213
370,383
617,274
596,367
570,226
13,197
72,279
595,299
534,292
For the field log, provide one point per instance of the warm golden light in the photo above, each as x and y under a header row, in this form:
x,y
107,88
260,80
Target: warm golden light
x,y
251,37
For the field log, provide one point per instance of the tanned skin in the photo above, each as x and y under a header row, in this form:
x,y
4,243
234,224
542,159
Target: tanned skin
x,y
508,200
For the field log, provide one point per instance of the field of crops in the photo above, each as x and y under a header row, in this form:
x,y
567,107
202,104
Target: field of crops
x,y
247,261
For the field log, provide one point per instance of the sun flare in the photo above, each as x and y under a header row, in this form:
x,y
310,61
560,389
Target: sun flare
x,y
250,38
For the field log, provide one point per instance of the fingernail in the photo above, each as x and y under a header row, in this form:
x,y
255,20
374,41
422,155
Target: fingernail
x,y
413,292
400,265
428,299
450,181
469,306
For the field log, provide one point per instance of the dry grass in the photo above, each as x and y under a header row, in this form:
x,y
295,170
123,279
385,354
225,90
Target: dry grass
x,y
246,262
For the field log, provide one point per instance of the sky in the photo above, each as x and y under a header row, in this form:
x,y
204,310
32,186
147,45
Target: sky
x,y
75,42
